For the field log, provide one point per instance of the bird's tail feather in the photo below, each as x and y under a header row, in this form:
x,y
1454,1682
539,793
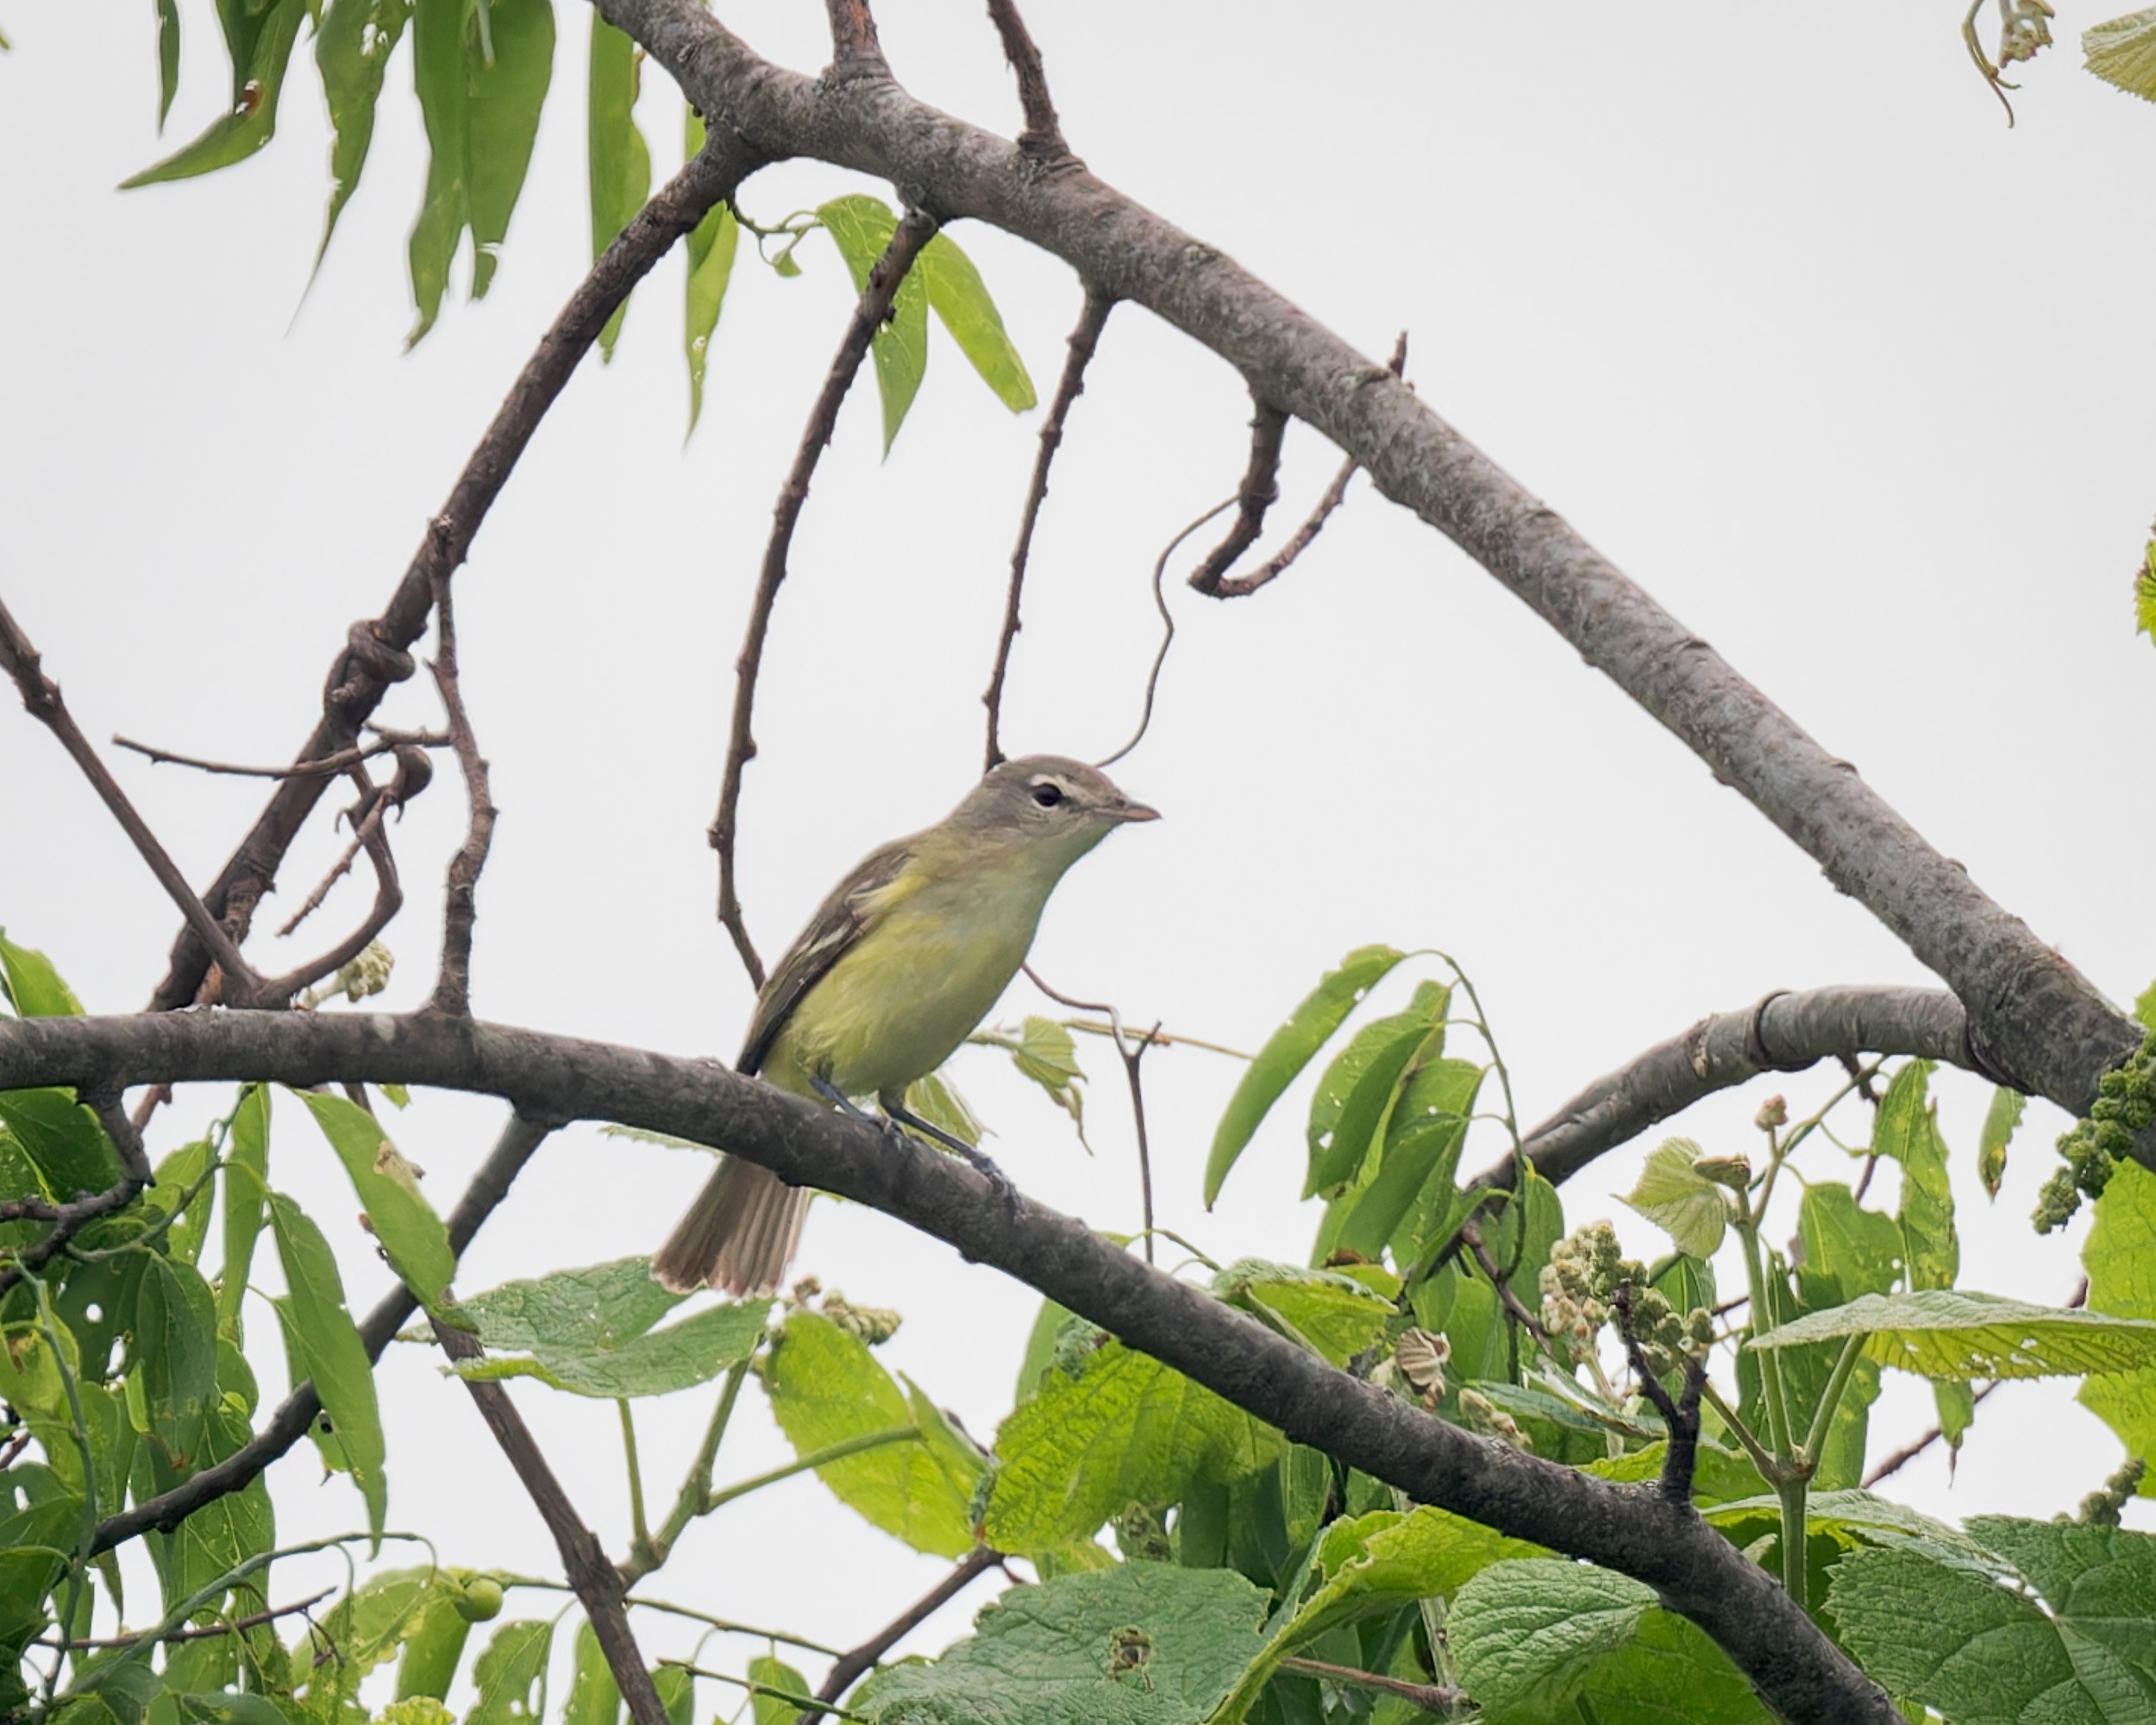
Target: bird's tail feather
x,y
739,1235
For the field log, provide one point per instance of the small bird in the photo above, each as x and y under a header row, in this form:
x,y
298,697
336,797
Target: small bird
x,y
895,969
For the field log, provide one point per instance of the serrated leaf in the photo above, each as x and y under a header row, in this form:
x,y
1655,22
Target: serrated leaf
x,y
1125,1430
1953,1333
2000,1123
411,1234
1288,1050
825,1388
712,245
1945,1634
602,1305
1140,1644
958,296
353,47
260,40
510,1673
862,227
1907,1131
1357,1090
32,986
2120,1261
329,1345
2122,51
1680,1201
1847,1250
1046,1055
1336,1315
618,158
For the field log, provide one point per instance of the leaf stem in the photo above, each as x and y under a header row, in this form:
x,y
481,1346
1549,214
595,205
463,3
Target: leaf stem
x,y
814,1459
640,1531
1830,1398
646,1553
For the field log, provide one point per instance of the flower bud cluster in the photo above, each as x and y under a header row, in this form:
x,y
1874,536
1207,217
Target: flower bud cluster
x,y
1479,1413
2124,1108
1584,1270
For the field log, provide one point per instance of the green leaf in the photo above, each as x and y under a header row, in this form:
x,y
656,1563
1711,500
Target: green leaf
x,y
1680,1201
246,1186
260,39
433,1646
1956,1405
32,986
1953,1333
861,227
1046,1055
958,296
62,1140
594,1698
1140,1644
1852,1519
677,1693
1124,1429
352,51
505,96
2000,1122
935,1100
413,1237
1354,1096
1336,1314
1289,1051
1946,1635
1531,1635
2121,1260
445,210
774,1674
231,1708
1907,1131
167,58
2122,51
712,245
329,1345
1405,1199
1041,1344
510,1674
825,1388
618,158
1848,1249
175,1354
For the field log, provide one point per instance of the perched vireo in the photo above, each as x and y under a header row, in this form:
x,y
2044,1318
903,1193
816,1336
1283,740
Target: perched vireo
x,y
895,970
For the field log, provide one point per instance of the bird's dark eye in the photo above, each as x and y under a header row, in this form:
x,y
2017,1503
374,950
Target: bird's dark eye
x,y
1048,795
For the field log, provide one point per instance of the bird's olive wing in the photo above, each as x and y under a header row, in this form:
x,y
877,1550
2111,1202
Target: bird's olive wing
x,y
851,910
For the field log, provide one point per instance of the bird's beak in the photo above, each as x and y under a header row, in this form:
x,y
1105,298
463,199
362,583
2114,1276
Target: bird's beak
x,y
1134,811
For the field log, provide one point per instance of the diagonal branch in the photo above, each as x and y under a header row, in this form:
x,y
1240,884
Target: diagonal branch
x,y
1258,492
856,1662
375,656
1042,138
2037,1018
1699,1574
870,313
1092,318
453,991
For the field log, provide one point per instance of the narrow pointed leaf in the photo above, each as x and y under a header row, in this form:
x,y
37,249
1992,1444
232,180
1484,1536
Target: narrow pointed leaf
x,y
2121,1259
328,1344
617,159
246,1187
861,227
352,53
2000,1122
958,296
167,58
445,210
507,90
712,245
260,43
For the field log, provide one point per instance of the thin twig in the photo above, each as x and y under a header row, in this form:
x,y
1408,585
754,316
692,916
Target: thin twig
x,y
1131,1056
389,898
200,1632
1167,630
40,695
1092,318
360,678
1240,587
869,314
1472,1238
1258,492
1431,1698
598,1584
490,1185
857,1661
329,767
453,990
855,53
1909,1452
1042,138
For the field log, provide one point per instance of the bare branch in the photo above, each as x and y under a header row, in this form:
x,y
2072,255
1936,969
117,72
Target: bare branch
x,y
1697,1573
1167,630
414,772
453,991
1042,138
870,313
856,1662
389,899
329,767
1092,318
362,673
1444,1701
855,53
1129,1056
204,1631
519,1138
40,695
1259,492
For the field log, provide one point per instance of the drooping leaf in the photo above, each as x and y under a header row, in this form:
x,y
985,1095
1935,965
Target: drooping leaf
x,y
958,296
388,1186
353,47
2000,1122
1140,1644
825,1388
1046,1055
445,209
1336,1315
618,158
1680,1201
62,1140
1907,1131
167,58
1289,1051
246,1186
861,227
1357,1090
1406,1200
1953,1333
260,39
506,92
175,1353
2122,51
509,1674
2121,1260
327,1342
594,1698
32,987
712,245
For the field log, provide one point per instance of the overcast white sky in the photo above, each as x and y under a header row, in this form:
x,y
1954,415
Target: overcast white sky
x,y
1786,320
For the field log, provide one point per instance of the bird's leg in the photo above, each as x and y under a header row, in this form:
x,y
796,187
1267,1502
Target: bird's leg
x,y
898,1117
839,1098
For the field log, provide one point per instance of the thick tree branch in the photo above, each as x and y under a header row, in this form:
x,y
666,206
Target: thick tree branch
x,y
375,656
870,313
2038,1018
1092,318
1631,1528
298,1410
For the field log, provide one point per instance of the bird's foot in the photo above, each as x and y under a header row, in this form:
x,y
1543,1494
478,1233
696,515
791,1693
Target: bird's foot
x,y
897,1121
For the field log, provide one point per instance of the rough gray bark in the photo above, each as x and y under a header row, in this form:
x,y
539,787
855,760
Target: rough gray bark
x,y
2037,1020
1631,1528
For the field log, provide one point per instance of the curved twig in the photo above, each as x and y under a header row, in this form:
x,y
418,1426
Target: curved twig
x,y
329,767
1258,492
453,989
1167,630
